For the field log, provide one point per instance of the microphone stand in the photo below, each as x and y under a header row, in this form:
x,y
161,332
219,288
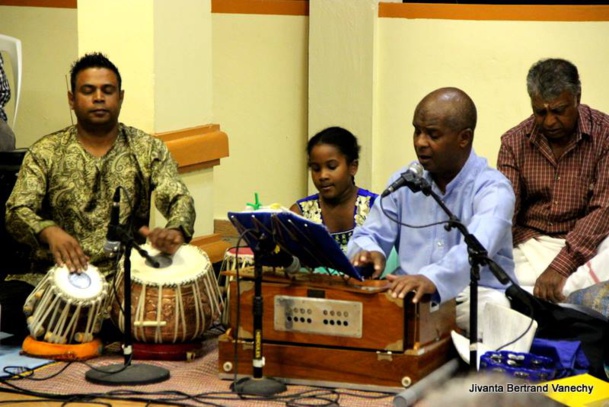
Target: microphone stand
x,y
126,373
259,385
477,256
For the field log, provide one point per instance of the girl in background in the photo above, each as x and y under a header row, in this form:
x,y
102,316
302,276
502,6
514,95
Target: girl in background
x,y
333,159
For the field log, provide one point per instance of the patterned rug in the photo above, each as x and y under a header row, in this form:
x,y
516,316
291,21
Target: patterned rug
x,y
191,383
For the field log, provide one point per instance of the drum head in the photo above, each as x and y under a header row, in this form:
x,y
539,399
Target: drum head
x,y
188,264
79,286
244,251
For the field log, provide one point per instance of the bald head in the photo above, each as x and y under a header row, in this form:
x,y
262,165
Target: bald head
x,y
455,107
444,123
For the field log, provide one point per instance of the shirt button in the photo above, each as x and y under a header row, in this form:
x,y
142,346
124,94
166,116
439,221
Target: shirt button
x,y
440,243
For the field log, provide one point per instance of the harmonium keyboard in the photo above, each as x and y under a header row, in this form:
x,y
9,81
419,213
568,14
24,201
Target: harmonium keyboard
x,y
331,331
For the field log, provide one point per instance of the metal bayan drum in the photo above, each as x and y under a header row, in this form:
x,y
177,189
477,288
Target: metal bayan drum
x,y
172,304
237,257
67,308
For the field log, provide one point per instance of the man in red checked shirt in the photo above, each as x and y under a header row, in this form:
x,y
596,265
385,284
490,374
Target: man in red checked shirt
x,y
558,163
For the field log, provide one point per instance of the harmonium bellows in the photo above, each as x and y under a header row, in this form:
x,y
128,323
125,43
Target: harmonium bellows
x,y
327,330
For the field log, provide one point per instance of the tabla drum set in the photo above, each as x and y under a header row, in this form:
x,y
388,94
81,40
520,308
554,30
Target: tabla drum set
x,y
171,307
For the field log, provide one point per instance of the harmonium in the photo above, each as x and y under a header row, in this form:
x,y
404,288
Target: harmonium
x,y
334,331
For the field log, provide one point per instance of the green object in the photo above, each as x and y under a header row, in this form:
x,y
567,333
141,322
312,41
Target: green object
x,y
257,204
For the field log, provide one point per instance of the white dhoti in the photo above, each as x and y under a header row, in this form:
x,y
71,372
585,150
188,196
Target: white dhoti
x,y
533,257
485,296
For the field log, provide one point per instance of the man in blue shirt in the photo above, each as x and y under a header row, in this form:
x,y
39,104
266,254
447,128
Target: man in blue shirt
x,y
433,260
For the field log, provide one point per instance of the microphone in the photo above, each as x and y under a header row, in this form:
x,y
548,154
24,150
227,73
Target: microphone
x,y
113,242
293,267
411,178
290,264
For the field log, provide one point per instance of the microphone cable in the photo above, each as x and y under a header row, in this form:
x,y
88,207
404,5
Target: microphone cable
x,y
391,218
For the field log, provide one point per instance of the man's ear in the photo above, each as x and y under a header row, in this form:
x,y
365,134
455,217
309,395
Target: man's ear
x,y
466,137
71,100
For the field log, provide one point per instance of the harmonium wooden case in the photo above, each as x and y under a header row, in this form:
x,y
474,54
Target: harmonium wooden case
x,y
331,331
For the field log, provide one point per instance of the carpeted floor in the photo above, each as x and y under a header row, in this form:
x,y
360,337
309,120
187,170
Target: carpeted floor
x,y
191,383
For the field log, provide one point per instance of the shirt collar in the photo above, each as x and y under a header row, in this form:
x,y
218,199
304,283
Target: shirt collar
x,y
467,168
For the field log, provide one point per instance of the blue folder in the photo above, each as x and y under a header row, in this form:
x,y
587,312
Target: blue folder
x,y
310,242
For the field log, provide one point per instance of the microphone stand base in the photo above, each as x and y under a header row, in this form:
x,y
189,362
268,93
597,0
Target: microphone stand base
x,y
120,374
263,386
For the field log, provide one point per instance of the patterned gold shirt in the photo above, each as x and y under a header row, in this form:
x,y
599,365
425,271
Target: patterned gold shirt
x,y
60,183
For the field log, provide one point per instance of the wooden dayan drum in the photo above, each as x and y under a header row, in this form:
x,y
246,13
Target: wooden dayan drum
x,y
171,304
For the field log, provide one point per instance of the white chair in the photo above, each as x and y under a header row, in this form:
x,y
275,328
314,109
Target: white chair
x,y
12,46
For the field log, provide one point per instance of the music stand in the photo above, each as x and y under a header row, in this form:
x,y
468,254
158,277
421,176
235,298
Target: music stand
x,y
265,231
302,238
126,373
256,228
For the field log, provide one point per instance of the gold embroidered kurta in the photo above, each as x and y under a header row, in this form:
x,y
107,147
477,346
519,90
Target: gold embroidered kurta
x,y
60,183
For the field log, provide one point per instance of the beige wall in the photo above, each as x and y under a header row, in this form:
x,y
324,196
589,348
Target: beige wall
x,y
487,59
182,58
49,47
129,44
259,87
166,87
260,100
342,70
163,50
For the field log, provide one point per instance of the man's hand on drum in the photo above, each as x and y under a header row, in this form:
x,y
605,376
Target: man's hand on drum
x,y
65,249
166,240
375,260
403,284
